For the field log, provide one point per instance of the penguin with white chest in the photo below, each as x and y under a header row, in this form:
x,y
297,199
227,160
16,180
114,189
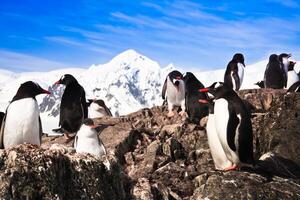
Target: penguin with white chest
x,y
87,140
97,108
174,92
220,159
284,62
234,73
292,76
22,123
73,106
233,125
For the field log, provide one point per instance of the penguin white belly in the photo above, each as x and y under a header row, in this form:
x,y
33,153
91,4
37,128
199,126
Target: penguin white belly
x,y
95,111
292,78
90,145
219,157
175,96
22,123
241,72
221,120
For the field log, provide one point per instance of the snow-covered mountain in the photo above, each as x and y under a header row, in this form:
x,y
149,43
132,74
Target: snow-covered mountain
x,y
129,82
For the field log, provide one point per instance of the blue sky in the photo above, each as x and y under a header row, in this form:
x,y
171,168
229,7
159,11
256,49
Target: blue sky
x,y
194,35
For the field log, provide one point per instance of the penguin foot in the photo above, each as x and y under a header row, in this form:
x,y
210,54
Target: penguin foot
x,y
233,167
171,114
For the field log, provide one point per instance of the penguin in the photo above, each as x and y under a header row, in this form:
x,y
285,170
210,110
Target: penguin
x,y
87,140
233,125
292,76
22,122
195,111
217,152
295,87
274,76
97,109
234,73
73,106
174,92
284,62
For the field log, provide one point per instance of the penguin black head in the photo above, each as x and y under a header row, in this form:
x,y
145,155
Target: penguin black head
x,y
175,76
29,89
218,90
239,58
189,76
291,66
284,55
273,58
66,79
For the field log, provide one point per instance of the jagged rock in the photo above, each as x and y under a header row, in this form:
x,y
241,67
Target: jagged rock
x,y
29,172
142,190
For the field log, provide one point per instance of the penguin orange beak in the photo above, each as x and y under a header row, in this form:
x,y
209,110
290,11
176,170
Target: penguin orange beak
x,y
46,92
57,82
203,90
203,101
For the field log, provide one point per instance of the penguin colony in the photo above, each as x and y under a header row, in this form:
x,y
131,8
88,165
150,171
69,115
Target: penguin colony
x,y
228,127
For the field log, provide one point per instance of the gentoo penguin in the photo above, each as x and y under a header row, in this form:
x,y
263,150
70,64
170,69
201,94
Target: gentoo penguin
x,y
22,121
194,110
87,140
174,92
73,106
284,62
234,73
233,125
274,75
217,152
292,76
98,108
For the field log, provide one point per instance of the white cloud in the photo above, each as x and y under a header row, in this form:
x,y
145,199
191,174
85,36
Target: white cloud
x,y
21,62
287,3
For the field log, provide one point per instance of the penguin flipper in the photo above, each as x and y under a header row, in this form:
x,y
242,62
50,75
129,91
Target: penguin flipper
x,y
232,126
84,104
2,132
40,129
164,89
108,111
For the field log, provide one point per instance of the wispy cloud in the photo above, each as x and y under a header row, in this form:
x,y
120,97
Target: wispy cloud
x,y
21,62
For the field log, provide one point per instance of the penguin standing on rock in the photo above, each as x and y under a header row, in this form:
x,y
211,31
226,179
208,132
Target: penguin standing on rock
x,y
292,76
174,92
73,106
194,110
274,74
22,123
233,125
234,73
98,109
217,152
87,140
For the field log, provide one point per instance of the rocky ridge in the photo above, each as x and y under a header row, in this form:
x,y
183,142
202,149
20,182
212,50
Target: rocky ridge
x,y
154,157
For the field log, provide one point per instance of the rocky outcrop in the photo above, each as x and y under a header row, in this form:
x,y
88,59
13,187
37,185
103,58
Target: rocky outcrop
x,y
154,157
29,172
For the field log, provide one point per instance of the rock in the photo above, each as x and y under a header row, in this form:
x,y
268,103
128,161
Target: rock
x,y
29,172
142,190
